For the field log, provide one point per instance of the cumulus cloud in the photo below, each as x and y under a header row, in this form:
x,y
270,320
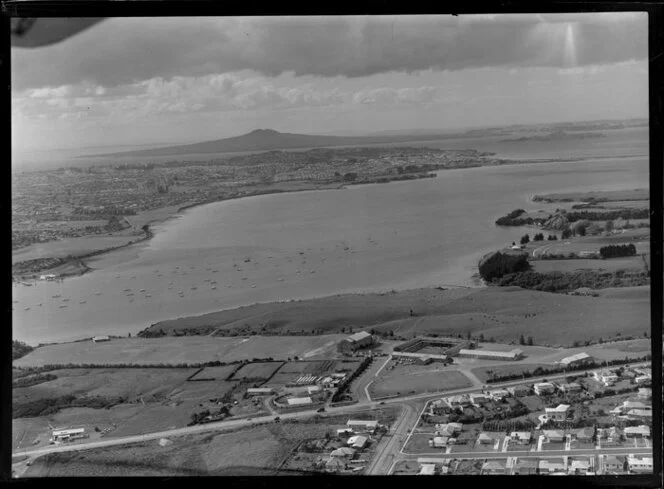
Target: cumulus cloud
x,y
126,51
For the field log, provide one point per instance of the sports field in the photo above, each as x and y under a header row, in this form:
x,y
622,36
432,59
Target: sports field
x,y
408,380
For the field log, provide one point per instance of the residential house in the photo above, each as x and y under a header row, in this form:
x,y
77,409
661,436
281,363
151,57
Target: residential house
x,y
644,393
611,435
427,469
526,466
583,434
458,401
519,390
555,436
478,400
558,413
640,463
485,439
259,391
572,387
335,464
493,467
614,463
553,465
580,466
448,429
643,379
642,431
362,425
345,432
357,441
439,441
640,413
499,394
606,377
343,452
521,436
544,388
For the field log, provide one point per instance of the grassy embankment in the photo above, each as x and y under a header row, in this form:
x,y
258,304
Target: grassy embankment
x,y
501,313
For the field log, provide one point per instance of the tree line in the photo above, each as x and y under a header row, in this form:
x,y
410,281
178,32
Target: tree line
x,y
615,251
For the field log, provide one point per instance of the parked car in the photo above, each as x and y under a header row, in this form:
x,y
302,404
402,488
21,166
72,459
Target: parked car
x,y
320,410
277,419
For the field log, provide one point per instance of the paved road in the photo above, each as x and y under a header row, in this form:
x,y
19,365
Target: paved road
x,y
363,383
530,454
385,452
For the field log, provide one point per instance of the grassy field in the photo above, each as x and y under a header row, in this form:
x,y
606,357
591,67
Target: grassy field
x,y
405,380
149,383
215,373
611,265
258,370
503,313
191,349
609,195
314,368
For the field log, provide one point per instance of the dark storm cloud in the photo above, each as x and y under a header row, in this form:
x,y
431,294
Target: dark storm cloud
x,y
123,51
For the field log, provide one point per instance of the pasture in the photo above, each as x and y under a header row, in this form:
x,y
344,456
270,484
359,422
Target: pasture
x,y
633,263
215,373
257,370
183,349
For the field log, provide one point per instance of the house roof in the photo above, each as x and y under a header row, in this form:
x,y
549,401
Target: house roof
x,y
561,408
493,465
334,462
484,437
342,452
643,429
521,434
427,469
553,433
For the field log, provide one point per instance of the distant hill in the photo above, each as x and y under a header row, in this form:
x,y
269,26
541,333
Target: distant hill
x,y
268,139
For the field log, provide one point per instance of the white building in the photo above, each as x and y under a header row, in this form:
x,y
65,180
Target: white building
x,y
521,436
606,377
97,339
427,469
299,401
68,434
574,360
260,391
515,354
499,394
478,400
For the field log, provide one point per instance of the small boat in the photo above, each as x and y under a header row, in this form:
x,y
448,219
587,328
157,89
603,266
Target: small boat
x,y
313,271
97,293
280,279
148,295
244,278
65,300
126,290
194,288
253,286
130,295
82,302
62,305
26,308
54,296
39,304
142,290
213,287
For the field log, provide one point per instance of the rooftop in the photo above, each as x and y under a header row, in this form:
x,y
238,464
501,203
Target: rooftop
x,y
359,336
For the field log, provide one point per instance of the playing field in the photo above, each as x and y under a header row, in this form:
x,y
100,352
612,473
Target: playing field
x,y
405,381
632,263
215,373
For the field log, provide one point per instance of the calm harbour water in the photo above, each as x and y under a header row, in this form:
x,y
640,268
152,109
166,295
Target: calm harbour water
x,y
300,245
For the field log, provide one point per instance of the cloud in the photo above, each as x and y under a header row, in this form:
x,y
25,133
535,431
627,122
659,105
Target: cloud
x,y
127,51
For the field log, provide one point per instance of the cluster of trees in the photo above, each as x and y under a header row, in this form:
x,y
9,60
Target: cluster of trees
x,y
48,406
525,239
552,237
514,219
345,384
608,215
206,416
569,281
20,349
524,341
615,251
499,264
31,380
538,237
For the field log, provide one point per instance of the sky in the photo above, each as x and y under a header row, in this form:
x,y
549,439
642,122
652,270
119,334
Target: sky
x,y
140,81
